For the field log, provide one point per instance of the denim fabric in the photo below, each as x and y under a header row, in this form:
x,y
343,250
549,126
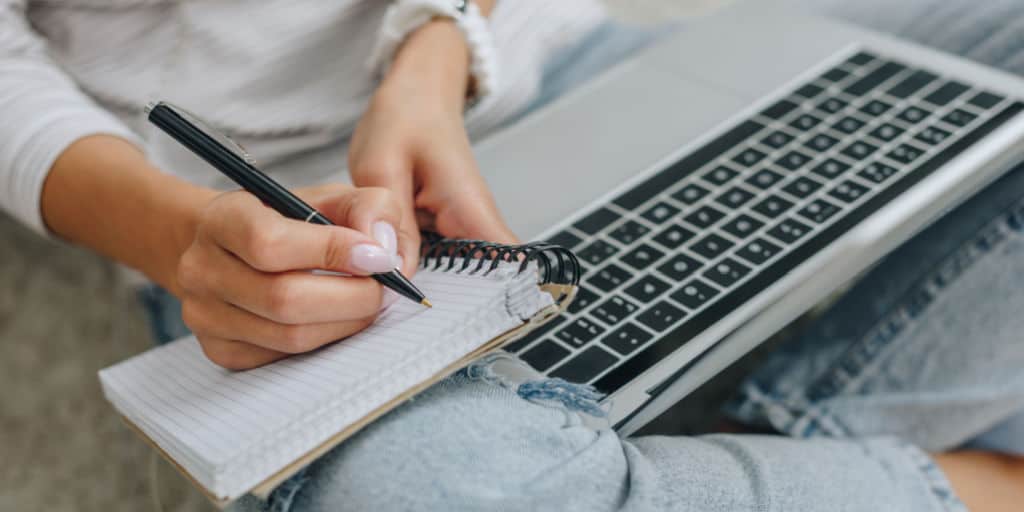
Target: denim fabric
x,y
163,311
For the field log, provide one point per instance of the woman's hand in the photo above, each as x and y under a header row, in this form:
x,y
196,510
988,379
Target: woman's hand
x,y
246,288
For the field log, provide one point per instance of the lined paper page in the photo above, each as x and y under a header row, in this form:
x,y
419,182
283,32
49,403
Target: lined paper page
x,y
232,430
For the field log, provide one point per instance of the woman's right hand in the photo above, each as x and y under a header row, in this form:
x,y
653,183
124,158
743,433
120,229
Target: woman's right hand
x,y
245,283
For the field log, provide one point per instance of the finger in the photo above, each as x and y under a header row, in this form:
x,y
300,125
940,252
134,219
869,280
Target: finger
x,y
379,169
236,355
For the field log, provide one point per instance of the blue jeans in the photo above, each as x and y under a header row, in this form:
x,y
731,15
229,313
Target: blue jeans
x,y
922,355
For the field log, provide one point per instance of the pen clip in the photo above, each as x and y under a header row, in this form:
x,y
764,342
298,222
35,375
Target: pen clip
x,y
218,136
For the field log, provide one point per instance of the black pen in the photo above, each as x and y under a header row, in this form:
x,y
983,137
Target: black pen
x,y
231,160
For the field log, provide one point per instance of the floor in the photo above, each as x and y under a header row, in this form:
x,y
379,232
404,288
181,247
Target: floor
x,y
64,314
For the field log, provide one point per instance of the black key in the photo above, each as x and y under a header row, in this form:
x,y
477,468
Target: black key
x,y
521,343
914,115
613,310
758,251
877,172
585,366
629,232
694,294
947,93
874,78
661,316
819,211
887,132
626,339
848,125
642,257
742,226
986,100
861,59
848,191
773,207
749,157
674,236
959,117
777,139
805,122
764,179
679,267
932,136
830,168
720,175
793,160
809,91
727,272
789,230
596,221
647,289
832,105
609,277
690,194
660,212
584,298
780,109
734,197
835,75
802,187
859,150
597,252
875,108
579,332
704,217
905,154
544,355
711,246
565,239
911,84
821,142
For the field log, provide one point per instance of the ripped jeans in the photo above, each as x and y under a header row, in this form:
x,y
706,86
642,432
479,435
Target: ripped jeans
x,y
923,355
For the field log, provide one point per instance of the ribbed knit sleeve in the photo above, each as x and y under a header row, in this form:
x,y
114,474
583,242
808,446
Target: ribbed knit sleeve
x,y
42,112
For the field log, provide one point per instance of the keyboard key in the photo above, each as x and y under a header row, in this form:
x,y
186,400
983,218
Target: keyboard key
x,y
679,267
986,100
565,239
727,272
764,179
690,194
674,236
819,211
544,355
848,191
947,93
777,139
789,231
913,83
626,339
748,157
805,122
832,105
780,109
859,150
704,217
835,75
758,251
579,332
629,232
861,59
518,345
793,160
959,117
809,91
614,310
887,132
661,316
821,142
695,294
609,277
848,125
647,289
720,175
914,115
876,108
932,136
905,154
734,197
597,252
830,168
587,365
874,78
584,298
742,226
660,212
802,187
773,207
642,257
877,172
711,246
595,222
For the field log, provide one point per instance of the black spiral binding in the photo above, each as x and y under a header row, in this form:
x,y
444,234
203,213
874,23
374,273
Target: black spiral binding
x,y
557,264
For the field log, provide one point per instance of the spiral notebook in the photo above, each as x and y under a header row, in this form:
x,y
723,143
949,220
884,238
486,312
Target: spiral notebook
x,y
236,432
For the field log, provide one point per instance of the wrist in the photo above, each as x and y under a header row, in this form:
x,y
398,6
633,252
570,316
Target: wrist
x,y
434,60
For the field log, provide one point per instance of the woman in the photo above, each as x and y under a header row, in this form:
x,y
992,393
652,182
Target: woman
x,y
288,82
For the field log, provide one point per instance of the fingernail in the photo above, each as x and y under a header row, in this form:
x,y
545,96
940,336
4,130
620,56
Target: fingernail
x,y
397,259
384,233
371,259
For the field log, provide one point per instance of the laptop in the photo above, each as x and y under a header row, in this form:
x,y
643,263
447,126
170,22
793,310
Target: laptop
x,y
726,180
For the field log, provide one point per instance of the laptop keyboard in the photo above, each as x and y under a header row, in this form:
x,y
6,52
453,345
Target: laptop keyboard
x,y
676,253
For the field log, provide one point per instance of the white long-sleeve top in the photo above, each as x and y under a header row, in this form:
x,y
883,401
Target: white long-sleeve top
x,y
286,78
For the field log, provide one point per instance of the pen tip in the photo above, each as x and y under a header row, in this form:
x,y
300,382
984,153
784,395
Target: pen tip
x,y
426,303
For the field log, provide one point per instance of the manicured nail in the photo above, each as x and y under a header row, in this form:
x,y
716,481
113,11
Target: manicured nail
x,y
371,259
384,233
